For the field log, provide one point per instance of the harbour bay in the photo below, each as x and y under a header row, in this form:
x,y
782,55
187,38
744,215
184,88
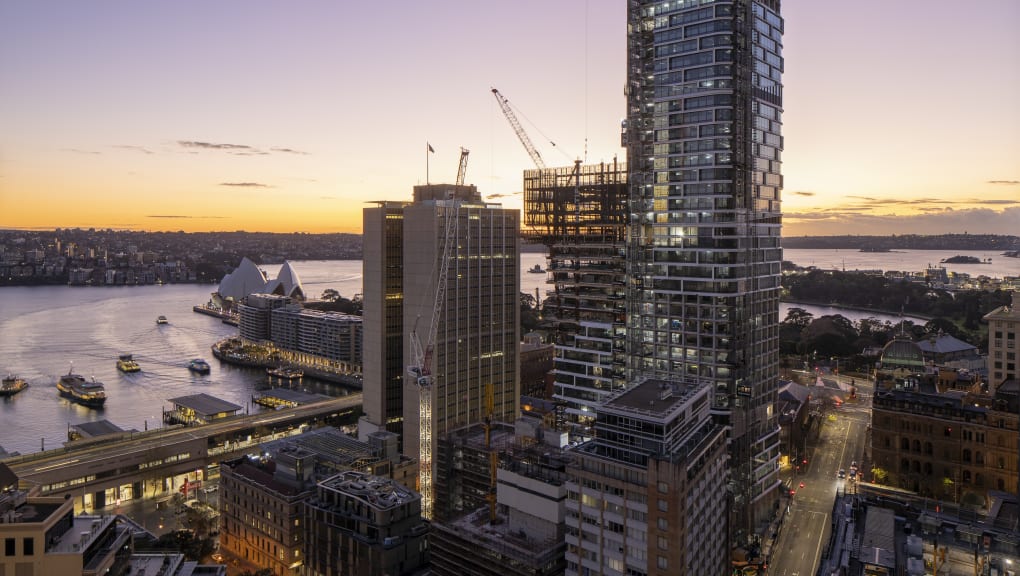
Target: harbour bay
x,y
44,329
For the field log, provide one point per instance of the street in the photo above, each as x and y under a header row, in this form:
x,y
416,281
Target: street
x,y
841,441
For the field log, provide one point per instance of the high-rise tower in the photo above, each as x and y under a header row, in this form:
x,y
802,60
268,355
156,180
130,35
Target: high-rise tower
x,y
703,135
477,334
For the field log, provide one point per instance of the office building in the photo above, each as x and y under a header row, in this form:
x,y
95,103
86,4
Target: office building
x,y
43,536
262,509
647,495
1004,342
383,312
954,440
366,525
704,137
469,337
580,214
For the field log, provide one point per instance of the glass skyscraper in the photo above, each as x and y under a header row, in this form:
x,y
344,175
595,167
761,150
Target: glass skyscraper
x,y
703,137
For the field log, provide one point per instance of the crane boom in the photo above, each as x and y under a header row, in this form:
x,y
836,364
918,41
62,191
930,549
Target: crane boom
x,y
421,369
462,169
504,104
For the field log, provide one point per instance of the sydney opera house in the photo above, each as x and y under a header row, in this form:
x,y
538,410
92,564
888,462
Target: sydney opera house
x,y
248,278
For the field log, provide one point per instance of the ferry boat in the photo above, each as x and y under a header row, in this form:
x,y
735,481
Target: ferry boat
x,y
536,269
286,372
11,385
127,364
199,366
77,389
162,320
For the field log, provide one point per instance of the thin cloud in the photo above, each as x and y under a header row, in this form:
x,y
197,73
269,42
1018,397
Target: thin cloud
x,y
246,184
289,151
802,193
946,221
1006,182
80,151
141,149
213,146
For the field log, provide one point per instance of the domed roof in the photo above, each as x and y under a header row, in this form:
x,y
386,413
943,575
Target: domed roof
x,y
286,284
902,352
246,279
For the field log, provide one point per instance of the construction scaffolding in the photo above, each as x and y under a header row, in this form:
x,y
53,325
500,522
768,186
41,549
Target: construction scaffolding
x,y
580,214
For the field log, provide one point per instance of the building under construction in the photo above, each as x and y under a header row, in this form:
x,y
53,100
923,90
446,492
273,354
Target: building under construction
x,y
580,214
501,494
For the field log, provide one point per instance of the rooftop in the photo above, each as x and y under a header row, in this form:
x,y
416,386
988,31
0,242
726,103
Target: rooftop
x,y
97,428
381,493
261,474
84,530
476,528
654,397
205,404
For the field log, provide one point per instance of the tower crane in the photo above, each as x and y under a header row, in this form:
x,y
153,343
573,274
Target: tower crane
x,y
504,104
462,169
421,357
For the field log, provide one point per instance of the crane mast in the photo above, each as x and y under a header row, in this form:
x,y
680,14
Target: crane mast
x,y
504,105
462,168
421,369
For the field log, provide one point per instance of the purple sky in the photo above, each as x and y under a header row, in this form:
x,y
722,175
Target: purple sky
x,y
900,117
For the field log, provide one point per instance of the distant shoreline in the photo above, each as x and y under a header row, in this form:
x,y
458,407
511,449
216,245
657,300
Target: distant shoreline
x,y
912,315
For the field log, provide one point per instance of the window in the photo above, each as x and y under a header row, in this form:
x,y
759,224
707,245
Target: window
x,y
663,487
663,543
663,524
663,505
9,547
28,546
663,563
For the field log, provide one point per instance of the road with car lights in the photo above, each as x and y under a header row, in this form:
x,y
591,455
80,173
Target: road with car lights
x,y
842,439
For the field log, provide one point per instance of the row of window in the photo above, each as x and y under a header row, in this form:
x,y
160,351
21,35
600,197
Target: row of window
x,y
27,546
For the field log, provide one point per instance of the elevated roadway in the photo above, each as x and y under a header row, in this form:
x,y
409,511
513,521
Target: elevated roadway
x,y
157,463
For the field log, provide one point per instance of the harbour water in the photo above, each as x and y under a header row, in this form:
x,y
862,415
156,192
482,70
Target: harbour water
x,y
43,329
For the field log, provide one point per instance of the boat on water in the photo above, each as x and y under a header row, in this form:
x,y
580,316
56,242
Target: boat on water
x,y
286,372
75,388
11,385
536,269
199,366
162,320
127,364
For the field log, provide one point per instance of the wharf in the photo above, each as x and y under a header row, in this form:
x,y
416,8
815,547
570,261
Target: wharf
x,y
226,317
234,350
284,398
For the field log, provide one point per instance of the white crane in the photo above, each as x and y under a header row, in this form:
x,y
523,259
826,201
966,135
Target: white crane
x,y
421,357
462,167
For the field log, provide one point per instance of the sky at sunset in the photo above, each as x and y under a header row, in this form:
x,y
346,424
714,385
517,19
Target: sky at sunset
x,y
900,117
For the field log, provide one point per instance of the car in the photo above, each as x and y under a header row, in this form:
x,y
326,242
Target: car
x,y
841,473
853,473
211,488
853,465
801,484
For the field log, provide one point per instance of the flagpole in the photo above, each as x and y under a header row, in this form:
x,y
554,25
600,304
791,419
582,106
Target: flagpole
x,y
427,146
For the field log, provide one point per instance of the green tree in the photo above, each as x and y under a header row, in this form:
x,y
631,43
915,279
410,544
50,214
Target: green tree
x,y
330,295
830,335
529,313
